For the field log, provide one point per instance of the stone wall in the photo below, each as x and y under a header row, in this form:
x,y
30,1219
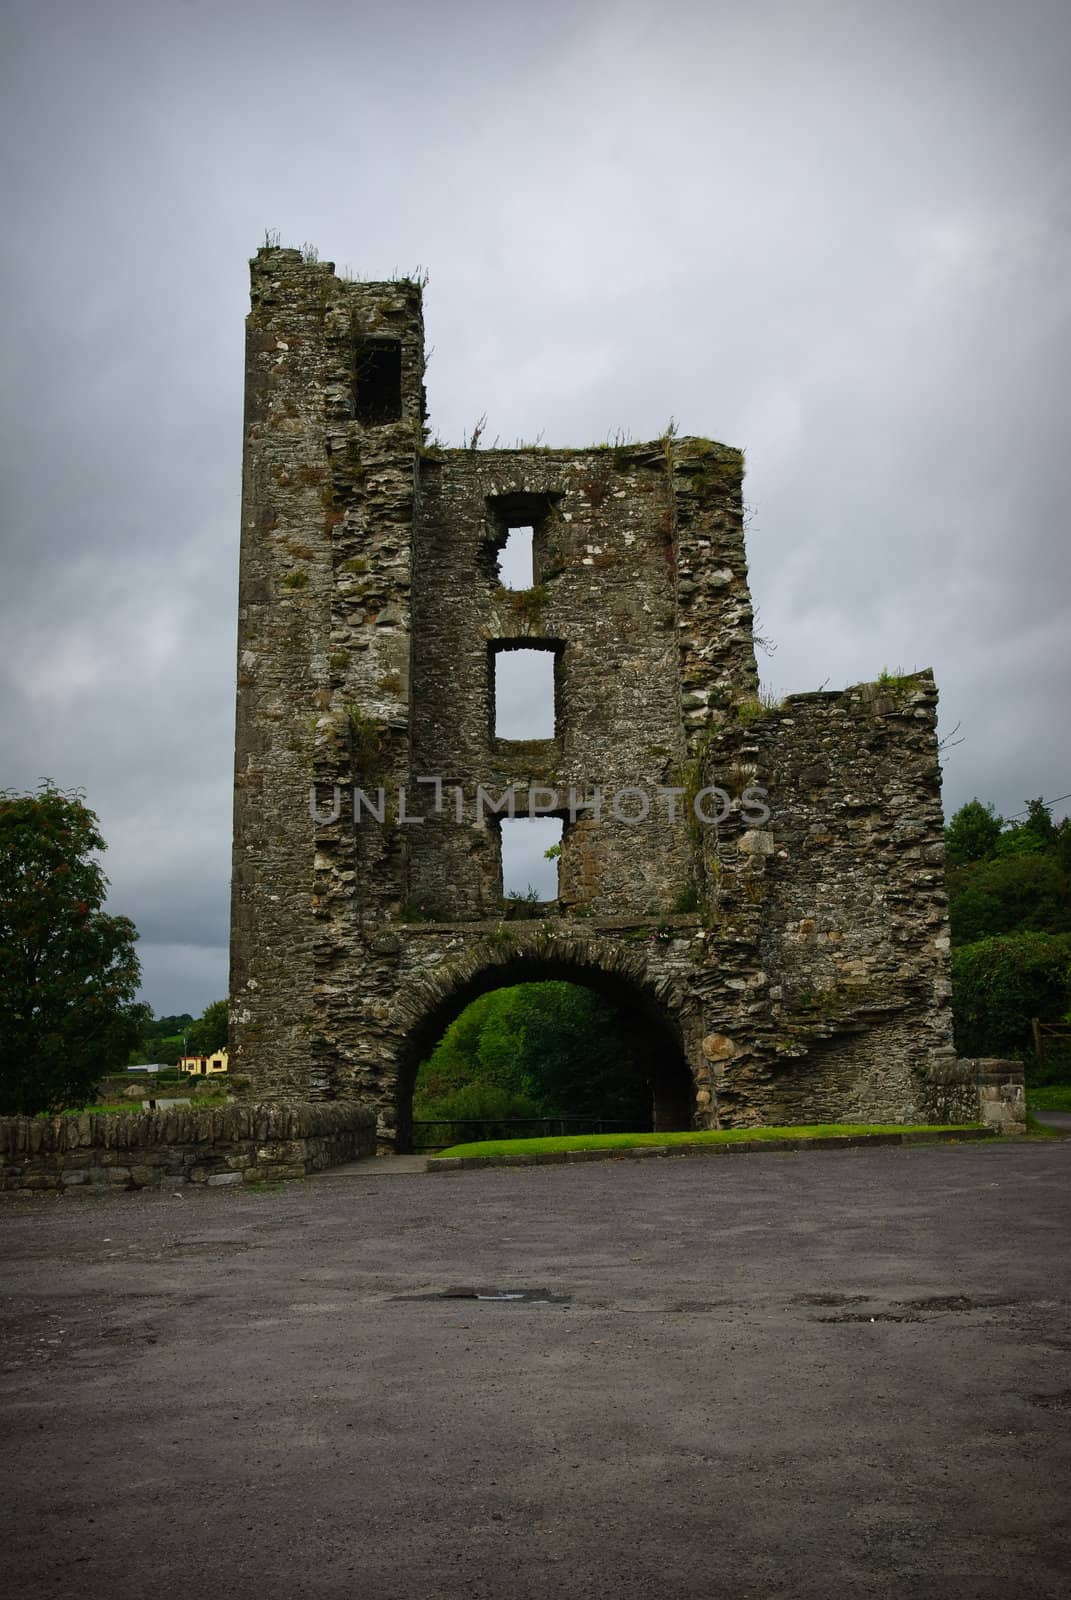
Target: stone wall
x,y
830,917
323,627
236,1144
784,970
1001,1094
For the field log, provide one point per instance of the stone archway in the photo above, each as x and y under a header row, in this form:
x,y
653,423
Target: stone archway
x,y
653,1011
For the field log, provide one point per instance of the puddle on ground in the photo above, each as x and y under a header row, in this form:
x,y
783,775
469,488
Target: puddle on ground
x,y
1059,1400
524,1297
828,1299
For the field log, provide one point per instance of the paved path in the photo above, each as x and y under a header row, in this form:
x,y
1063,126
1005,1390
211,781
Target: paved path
x,y
377,1167
807,1375
1055,1119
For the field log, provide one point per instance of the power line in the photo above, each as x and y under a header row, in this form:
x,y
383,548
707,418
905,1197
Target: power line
x,y
1055,802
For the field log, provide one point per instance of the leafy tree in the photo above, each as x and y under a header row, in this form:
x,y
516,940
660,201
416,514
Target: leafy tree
x,y
166,1027
553,1048
1021,893
68,972
1039,822
209,1033
972,834
998,985
1005,879
169,1051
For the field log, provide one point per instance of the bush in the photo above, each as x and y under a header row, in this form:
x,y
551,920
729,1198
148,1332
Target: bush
x,y
1014,894
477,1110
999,985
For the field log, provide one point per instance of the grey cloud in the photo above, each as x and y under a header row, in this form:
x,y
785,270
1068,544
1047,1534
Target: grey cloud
x,y
835,235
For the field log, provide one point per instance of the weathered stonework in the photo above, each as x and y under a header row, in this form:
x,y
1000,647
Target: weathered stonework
x,y
781,970
231,1145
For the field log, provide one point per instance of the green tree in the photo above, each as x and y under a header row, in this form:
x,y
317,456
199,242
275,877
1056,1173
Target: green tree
x,y
972,834
998,985
168,1051
550,1048
68,972
166,1027
1032,837
209,1033
1021,893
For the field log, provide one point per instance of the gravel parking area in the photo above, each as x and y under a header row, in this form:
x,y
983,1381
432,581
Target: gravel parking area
x,y
803,1374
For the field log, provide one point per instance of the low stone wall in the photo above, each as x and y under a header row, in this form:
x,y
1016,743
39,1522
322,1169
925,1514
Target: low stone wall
x,y
958,1089
235,1144
1001,1095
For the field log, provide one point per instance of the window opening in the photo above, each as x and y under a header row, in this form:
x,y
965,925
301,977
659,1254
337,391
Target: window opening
x,y
378,381
516,560
523,693
526,872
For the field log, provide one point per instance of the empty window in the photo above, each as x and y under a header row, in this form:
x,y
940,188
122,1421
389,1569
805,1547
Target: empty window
x,y
526,872
378,381
522,693
515,568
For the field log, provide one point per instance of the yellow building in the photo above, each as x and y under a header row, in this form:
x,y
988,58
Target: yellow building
x,y
203,1065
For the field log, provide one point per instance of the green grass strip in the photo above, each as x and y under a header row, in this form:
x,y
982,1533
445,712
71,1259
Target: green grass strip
x,y
632,1141
1049,1097
1041,1130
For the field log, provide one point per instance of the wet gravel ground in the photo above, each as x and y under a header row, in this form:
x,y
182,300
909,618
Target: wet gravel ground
x,y
813,1374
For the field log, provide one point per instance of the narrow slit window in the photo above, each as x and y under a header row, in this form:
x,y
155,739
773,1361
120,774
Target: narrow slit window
x,y
526,872
378,381
515,560
523,691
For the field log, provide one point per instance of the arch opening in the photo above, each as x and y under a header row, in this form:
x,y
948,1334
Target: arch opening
x,y
627,1067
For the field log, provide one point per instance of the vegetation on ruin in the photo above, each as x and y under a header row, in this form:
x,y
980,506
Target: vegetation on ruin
x,y
754,708
633,1141
528,604
367,741
523,905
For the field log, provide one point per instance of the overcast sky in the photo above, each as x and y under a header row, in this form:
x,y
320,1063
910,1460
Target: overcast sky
x,y
834,234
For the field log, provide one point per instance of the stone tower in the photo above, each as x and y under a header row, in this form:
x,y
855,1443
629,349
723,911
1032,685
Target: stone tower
x,y
785,966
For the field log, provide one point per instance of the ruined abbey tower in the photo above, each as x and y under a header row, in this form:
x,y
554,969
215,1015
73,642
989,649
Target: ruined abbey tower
x,y
783,961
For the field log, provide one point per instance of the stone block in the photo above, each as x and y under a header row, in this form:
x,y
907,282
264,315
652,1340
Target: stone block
x,y
217,1179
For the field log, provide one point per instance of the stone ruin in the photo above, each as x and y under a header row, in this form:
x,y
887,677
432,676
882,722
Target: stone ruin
x,y
759,888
